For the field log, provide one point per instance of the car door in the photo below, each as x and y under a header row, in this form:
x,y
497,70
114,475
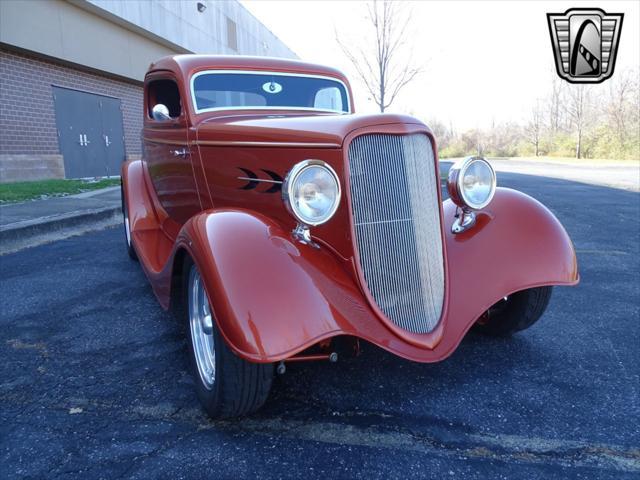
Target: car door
x,y
167,153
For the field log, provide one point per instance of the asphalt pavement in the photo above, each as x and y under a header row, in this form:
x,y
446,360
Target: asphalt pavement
x,y
609,173
94,381
35,222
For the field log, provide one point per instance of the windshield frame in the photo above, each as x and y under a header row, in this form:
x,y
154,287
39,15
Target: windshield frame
x,y
266,72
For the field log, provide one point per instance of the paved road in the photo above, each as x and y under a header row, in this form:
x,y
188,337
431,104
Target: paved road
x,y
620,174
94,383
623,174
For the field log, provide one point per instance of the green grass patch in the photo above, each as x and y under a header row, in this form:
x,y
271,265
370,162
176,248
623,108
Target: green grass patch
x,y
22,191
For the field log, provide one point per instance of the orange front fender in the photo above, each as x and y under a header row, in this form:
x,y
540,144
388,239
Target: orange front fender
x,y
271,296
517,243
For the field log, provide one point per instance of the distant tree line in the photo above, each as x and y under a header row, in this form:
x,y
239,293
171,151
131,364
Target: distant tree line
x,y
581,121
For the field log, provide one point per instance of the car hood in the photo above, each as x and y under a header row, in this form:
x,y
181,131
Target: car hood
x,y
318,130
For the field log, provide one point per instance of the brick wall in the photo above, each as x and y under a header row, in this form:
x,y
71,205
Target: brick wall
x,y
27,115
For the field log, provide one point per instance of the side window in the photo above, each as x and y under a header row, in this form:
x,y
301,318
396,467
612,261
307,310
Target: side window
x,y
328,98
164,92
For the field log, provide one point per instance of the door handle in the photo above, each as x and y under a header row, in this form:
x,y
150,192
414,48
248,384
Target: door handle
x,y
86,142
83,140
106,141
183,152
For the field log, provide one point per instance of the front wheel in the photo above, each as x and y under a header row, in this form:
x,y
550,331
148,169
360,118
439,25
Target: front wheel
x,y
515,312
226,385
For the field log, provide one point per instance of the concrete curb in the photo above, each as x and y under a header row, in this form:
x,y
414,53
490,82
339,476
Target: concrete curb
x,y
29,233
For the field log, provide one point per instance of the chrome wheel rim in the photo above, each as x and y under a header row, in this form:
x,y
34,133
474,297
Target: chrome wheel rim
x,y
127,228
201,325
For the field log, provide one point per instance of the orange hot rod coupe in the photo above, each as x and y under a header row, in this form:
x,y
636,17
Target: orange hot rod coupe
x,y
284,227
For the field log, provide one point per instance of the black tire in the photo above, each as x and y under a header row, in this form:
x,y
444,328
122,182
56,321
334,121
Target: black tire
x,y
127,231
240,387
518,312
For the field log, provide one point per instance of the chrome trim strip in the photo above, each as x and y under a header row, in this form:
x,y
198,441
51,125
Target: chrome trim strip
x,y
387,221
166,142
260,180
265,72
232,143
169,127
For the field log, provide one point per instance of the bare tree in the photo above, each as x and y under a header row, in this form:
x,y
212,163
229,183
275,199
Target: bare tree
x,y
621,105
502,139
533,129
473,141
605,120
443,133
556,97
379,68
577,110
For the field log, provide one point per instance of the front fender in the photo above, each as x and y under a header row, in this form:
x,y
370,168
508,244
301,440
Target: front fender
x,y
516,243
273,297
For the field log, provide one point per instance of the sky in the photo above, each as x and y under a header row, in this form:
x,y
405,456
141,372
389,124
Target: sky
x,y
484,62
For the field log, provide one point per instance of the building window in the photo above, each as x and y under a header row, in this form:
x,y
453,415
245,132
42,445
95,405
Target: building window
x,y
232,35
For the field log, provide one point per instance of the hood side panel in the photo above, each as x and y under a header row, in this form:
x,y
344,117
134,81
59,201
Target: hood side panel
x,y
323,130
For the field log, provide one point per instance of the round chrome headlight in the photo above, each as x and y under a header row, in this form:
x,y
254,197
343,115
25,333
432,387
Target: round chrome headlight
x,y
311,192
472,183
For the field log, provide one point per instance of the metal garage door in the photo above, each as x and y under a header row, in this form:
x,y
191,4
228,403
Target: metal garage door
x,y
90,133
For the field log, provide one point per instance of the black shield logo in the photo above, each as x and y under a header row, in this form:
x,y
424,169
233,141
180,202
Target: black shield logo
x,y
585,43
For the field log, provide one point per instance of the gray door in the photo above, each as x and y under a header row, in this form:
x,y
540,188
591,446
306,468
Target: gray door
x,y
89,133
112,134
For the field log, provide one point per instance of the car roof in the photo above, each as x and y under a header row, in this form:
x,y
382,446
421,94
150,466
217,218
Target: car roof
x,y
187,65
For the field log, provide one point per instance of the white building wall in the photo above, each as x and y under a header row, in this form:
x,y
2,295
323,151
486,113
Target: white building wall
x,y
180,23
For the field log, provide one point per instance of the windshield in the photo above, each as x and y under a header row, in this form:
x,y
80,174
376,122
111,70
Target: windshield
x,y
250,90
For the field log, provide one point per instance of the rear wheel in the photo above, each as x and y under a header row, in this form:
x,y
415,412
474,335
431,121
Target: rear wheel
x,y
127,227
515,312
226,385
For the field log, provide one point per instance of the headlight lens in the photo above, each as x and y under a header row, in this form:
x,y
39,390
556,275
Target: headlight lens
x,y
472,183
312,192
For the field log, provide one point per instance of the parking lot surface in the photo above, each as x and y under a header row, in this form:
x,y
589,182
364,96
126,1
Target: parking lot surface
x,y
94,381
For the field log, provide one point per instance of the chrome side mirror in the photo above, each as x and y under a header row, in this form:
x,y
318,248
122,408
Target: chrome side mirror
x,y
160,113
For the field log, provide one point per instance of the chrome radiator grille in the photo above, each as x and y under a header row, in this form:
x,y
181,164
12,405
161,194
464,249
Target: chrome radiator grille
x,y
395,208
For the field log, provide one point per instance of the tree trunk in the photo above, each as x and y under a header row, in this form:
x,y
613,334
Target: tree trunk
x,y
382,91
579,144
537,150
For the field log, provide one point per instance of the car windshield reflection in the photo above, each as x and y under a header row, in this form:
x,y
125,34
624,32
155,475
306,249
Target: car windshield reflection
x,y
256,90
